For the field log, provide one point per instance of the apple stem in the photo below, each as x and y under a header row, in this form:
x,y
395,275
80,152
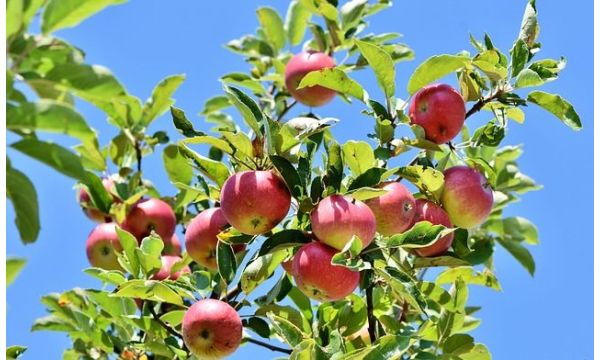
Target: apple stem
x,y
268,346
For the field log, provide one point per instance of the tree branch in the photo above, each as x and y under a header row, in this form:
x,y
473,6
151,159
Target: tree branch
x,y
169,329
481,103
233,293
268,346
287,108
370,317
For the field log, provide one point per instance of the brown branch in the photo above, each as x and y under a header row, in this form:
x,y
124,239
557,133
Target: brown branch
x,y
233,293
269,346
169,329
287,108
370,317
481,103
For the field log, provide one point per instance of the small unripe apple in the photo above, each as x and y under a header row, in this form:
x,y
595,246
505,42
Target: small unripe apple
x,y
467,197
211,329
395,210
429,211
85,201
101,244
150,214
300,65
201,237
316,277
337,218
440,110
254,202
165,270
173,246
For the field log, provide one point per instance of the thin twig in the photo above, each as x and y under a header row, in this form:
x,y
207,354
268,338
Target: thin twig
x,y
169,329
287,108
233,293
138,155
269,346
370,316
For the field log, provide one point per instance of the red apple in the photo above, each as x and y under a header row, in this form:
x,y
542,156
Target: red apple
x,y
85,201
173,246
287,266
429,211
467,197
338,218
440,110
318,278
148,215
254,202
101,244
201,237
300,65
165,270
394,211
211,329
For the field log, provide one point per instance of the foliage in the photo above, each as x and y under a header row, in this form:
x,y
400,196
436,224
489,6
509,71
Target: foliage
x,y
406,315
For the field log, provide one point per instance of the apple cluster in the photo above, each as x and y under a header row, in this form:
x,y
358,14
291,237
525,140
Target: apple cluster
x,y
254,202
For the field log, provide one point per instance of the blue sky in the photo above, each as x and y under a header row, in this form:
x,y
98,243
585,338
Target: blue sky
x,y
545,317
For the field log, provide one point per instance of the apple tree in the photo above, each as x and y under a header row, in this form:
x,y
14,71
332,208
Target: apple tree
x,y
289,235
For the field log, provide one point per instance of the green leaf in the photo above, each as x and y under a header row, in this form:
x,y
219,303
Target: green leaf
x,y
286,312
149,253
390,347
93,83
519,56
244,80
226,261
160,100
177,166
258,325
214,170
520,253
260,269
129,244
449,261
49,116
60,14
14,17
13,268
422,234
272,24
514,229
100,197
528,78
14,352
479,352
501,110
283,240
53,155
114,277
458,344
557,106
251,113
152,290
288,331
490,63
23,196
470,276
359,156
382,65
530,28
215,104
425,178
321,7
352,13
290,175
433,69
348,256
296,20
335,79
366,193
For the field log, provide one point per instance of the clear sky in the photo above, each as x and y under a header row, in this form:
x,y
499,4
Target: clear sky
x,y
545,317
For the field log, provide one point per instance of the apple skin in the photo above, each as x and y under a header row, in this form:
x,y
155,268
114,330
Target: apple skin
x,y
211,329
201,237
85,201
440,110
165,270
150,214
300,65
316,277
254,202
467,196
429,211
101,244
394,211
287,266
337,218
173,246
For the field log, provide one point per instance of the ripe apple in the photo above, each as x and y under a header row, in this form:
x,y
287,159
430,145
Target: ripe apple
x,y
440,110
300,65
394,211
211,329
201,237
85,201
429,211
101,244
148,215
172,246
467,196
254,202
338,218
318,278
165,270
